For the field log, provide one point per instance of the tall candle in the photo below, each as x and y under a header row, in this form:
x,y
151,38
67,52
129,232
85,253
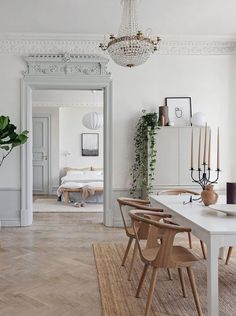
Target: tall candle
x,y
209,151
199,150
192,151
218,149
205,144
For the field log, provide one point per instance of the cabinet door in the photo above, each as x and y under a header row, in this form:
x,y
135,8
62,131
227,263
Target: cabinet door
x,y
167,164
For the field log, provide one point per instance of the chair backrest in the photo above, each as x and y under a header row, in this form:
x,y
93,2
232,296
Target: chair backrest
x,y
176,192
135,204
162,248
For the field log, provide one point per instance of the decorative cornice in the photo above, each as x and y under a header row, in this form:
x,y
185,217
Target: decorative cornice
x,y
25,44
66,64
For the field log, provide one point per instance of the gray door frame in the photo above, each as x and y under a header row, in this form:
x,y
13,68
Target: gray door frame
x,y
32,82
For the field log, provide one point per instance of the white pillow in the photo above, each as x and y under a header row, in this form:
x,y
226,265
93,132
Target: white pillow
x,y
74,172
93,173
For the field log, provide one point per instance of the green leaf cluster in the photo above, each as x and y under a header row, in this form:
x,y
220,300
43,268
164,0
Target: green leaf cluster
x,y
143,168
9,139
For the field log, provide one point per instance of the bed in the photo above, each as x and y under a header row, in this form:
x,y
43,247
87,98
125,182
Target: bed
x,y
81,186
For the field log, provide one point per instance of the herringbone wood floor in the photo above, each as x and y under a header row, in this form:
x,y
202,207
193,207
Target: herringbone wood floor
x,y
49,269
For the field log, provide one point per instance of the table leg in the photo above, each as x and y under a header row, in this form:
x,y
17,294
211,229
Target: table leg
x,y
212,279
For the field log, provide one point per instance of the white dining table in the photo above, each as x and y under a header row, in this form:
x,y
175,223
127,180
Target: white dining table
x,y
214,228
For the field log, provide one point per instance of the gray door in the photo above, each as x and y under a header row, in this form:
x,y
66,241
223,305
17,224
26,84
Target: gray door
x,y
40,155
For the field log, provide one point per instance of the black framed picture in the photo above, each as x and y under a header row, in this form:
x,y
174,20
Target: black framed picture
x,y
90,144
180,110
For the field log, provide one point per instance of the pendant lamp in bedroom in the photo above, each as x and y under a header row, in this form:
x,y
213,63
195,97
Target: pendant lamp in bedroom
x,y
93,120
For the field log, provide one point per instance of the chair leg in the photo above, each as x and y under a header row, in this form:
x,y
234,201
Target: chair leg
x,y
127,251
151,290
141,280
190,240
181,278
194,290
203,249
132,261
169,274
229,255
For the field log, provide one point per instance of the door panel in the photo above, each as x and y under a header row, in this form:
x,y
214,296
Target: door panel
x,y
40,155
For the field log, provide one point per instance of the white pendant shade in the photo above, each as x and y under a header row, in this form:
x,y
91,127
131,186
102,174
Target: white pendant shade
x,y
93,120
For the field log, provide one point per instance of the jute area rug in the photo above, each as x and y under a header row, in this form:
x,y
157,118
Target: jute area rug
x,y
53,206
118,294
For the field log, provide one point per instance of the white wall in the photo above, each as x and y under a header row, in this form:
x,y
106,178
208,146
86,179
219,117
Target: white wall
x,y
209,80
53,113
71,128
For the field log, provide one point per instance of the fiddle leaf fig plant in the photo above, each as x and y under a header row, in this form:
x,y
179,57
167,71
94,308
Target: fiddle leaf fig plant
x,y
9,139
143,168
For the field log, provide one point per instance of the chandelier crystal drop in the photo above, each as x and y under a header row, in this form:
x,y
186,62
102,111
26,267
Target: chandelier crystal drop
x,y
131,47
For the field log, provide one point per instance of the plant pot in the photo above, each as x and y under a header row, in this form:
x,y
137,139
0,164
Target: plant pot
x,y
209,196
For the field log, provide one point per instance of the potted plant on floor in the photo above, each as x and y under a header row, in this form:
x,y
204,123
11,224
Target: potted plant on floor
x,y
9,139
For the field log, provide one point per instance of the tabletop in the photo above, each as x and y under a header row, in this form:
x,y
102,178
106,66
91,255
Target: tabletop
x,y
213,222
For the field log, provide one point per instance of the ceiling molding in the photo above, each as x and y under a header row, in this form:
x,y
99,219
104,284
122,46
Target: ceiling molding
x,y
25,44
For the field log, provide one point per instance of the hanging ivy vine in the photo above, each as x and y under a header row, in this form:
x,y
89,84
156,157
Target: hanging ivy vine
x,y
143,168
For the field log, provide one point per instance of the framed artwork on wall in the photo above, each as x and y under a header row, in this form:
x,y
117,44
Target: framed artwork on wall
x,y
90,144
180,110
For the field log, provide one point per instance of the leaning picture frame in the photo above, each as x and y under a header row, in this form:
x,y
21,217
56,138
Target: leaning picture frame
x,y
90,144
180,110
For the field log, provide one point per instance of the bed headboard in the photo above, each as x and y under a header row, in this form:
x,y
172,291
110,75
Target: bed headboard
x,y
91,168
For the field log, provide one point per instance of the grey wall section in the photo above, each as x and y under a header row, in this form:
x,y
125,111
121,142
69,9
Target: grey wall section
x,y
10,207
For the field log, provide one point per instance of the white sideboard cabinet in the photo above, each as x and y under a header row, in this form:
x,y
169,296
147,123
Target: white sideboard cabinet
x,y
174,155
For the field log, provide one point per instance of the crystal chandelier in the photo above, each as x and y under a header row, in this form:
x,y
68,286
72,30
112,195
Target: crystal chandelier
x,y
131,47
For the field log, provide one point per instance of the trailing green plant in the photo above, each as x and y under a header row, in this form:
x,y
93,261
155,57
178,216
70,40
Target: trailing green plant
x,y
9,139
143,168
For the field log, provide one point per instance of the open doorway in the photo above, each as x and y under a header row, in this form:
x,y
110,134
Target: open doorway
x,y
68,154
64,72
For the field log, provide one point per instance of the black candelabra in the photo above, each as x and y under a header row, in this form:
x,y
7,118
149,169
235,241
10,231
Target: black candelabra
x,y
203,176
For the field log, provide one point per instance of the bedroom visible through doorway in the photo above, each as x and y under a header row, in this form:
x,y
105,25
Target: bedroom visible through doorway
x,y
68,151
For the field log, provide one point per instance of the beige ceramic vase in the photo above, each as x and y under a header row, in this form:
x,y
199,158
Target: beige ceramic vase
x,y
209,196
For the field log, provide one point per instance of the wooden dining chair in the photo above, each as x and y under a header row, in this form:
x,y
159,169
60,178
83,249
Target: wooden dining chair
x,y
163,254
178,192
228,255
136,204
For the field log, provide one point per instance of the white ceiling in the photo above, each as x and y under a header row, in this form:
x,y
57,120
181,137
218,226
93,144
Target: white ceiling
x,y
68,98
171,17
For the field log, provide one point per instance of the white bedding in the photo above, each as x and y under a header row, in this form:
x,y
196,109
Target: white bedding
x,y
81,179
